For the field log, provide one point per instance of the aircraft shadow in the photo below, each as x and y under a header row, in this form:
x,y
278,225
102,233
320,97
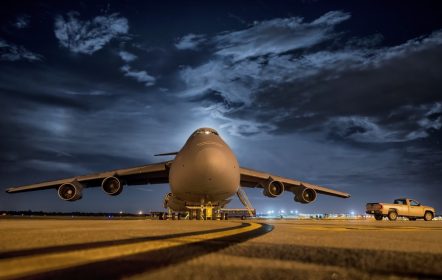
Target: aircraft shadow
x,y
98,244
142,262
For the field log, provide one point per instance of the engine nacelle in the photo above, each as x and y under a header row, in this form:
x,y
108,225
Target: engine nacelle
x,y
112,186
70,191
273,188
170,201
305,195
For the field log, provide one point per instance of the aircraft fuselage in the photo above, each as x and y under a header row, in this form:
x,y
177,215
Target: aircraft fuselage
x,y
205,170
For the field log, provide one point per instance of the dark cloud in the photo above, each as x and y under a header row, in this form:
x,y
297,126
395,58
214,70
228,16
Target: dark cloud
x,y
88,36
22,21
140,76
13,52
277,36
190,42
127,56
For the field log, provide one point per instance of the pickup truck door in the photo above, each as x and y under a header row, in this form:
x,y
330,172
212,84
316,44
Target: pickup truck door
x,y
415,209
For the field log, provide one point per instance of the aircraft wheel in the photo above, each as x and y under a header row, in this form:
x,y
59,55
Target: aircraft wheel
x,y
428,216
392,215
378,217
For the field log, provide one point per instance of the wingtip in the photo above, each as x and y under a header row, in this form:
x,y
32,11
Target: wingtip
x,y
11,190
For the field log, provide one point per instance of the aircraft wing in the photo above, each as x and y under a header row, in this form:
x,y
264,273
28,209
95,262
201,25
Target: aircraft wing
x,y
252,178
157,173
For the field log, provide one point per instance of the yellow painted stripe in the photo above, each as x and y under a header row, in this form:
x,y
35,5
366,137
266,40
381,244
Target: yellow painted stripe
x,y
25,266
370,228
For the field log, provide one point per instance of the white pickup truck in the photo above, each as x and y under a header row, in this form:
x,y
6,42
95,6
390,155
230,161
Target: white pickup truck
x,y
402,207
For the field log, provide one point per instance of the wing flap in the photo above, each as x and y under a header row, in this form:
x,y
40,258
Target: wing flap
x,y
40,186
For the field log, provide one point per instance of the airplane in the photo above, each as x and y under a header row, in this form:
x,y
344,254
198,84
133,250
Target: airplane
x,y
203,176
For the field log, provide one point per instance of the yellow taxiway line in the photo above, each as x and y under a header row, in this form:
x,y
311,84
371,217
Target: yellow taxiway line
x,y
371,228
25,266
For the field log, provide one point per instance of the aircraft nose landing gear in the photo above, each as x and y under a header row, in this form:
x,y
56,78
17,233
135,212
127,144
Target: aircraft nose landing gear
x,y
202,212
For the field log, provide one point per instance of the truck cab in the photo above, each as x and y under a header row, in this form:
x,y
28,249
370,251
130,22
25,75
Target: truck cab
x,y
414,208
401,207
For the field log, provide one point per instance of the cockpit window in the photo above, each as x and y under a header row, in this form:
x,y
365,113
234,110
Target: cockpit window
x,y
205,131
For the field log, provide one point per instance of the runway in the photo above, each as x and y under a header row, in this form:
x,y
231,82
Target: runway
x,y
260,249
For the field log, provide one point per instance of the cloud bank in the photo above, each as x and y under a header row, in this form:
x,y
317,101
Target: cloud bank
x,y
289,75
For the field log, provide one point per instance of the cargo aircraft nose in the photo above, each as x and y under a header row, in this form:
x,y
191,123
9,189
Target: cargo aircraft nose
x,y
218,170
205,167
212,164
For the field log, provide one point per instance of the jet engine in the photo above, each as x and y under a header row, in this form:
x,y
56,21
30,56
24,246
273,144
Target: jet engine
x,y
112,186
273,188
172,202
305,195
70,191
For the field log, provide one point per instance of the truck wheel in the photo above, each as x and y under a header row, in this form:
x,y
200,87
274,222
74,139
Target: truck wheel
x,y
392,216
428,216
378,217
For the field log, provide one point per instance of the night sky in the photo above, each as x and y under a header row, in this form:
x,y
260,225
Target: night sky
x,y
345,94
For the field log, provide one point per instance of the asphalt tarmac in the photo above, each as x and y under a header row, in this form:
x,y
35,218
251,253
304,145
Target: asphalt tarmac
x,y
234,249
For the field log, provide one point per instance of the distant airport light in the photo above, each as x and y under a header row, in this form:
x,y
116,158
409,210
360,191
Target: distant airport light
x,y
282,211
296,211
352,213
121,212
140,212
291,211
